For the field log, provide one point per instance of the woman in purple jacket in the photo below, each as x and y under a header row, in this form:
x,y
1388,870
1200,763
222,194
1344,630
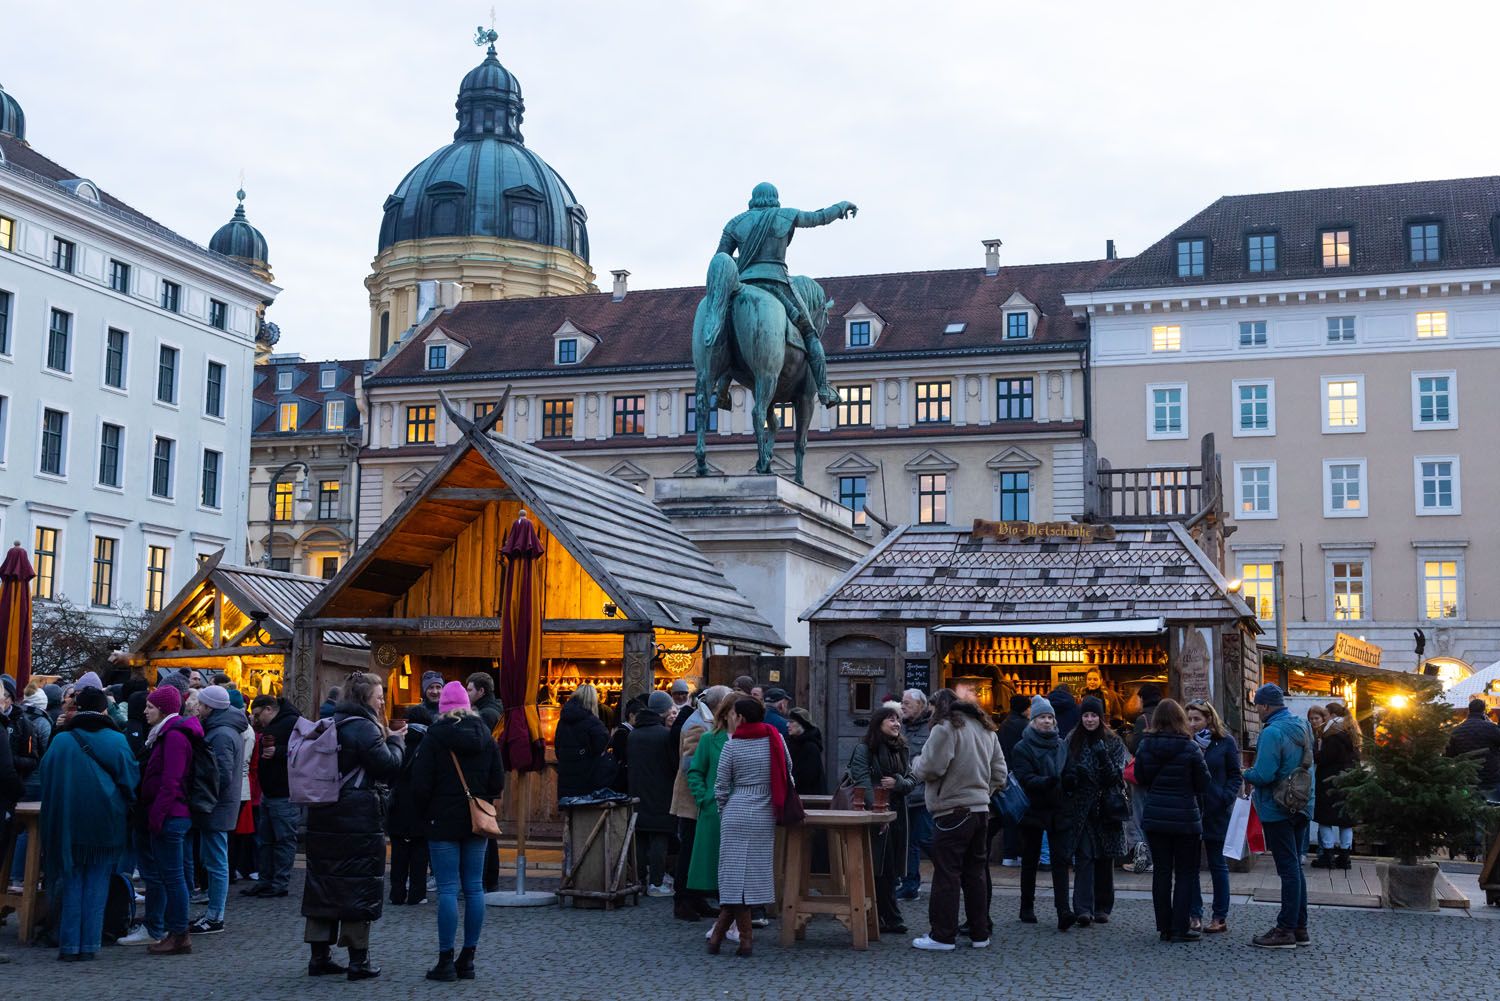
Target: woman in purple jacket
x,y
164,798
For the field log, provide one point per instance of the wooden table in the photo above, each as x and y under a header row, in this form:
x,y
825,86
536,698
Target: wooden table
x,y
853,899
26,903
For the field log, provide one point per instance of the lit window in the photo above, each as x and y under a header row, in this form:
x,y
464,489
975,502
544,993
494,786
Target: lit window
x,y
1257,490
156,577
62,254
213,391
1253,408
1344,491
1166,417
171,296
437,357
7,233
211,462
785,415
328,378
557,418
119,276
1348,580
421,425
1431,325
484,409
1341,330
1170,493
1259,589
1336,244
44,562
1432,400
333,415
853,493
855,406
1015,496
59,341
161,467
218,314
1013,399
1341,405
1166,338
282,499
1440,589
1252,333
1017,326
111,438
630,415
1190,256
101,595
166,374
1437,485
567,351
934,400
859,333
690,408
932,498
1260,252
287,417
328,499
1424,240
54,442
329,568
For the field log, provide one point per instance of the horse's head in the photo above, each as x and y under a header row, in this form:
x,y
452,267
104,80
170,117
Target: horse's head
x,y
818,303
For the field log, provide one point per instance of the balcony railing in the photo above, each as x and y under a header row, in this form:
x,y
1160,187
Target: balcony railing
x,y
1156,493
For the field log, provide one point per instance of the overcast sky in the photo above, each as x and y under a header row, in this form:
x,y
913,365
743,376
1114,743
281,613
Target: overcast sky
x,y
1052,127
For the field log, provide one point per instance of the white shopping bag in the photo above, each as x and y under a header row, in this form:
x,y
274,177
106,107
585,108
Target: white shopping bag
x,y
1239,824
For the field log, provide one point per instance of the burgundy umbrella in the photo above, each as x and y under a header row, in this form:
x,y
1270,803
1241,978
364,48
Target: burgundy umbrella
x,y
521,646
15,615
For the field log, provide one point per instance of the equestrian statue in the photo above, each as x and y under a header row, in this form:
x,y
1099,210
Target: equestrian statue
x,y
762,328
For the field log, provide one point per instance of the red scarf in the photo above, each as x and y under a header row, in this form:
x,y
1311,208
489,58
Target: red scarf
x,y
753,731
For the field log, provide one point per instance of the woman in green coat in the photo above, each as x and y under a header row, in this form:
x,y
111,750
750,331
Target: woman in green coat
x,y
703,772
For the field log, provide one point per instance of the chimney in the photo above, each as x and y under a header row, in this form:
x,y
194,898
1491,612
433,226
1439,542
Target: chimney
x,y
620,289
991,257
1109,250
426,299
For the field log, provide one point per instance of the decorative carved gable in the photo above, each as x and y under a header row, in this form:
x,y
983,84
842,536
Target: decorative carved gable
x,y
932,461
1014,457
852,464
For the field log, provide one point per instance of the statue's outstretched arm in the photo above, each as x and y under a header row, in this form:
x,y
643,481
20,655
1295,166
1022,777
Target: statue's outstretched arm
x,y
822,217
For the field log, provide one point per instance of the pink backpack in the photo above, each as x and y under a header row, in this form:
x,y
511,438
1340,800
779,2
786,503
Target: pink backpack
x,y
312,763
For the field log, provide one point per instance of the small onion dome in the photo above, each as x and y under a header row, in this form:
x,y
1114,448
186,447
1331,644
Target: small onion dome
x,y
238,239
12,118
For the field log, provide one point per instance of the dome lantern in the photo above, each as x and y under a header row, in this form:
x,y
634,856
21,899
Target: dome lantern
x,y
240,240
489,102
13,119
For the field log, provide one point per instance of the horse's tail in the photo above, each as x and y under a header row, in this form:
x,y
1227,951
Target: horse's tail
x,y
723,282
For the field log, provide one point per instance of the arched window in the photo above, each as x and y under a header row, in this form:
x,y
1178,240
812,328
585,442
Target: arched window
x,y
524,217
444,218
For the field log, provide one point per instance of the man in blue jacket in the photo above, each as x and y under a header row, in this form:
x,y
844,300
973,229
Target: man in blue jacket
x,y
1285,745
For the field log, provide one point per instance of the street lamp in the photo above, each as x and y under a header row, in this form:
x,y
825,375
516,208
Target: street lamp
x,y
303,497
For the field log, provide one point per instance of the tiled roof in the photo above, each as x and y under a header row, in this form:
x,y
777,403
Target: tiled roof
x,y
653,327
307,393
1376,214
924,574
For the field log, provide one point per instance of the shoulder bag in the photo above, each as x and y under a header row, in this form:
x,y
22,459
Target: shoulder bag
x,y
483,819
1294,792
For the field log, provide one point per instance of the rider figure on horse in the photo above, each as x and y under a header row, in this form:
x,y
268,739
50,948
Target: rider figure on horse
x,y
761,236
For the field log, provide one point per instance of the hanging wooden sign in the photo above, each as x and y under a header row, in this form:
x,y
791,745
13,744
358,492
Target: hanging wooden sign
x,y
1352,650
1041,531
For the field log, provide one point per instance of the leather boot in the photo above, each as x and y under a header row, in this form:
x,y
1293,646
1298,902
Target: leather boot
x,y
1341,859
359,965
683,909
172,945
742,923
321,964
1324,859
721,928
465,963
444,970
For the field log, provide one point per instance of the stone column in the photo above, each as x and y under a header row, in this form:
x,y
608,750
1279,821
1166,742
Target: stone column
x,y
987,397
960,400
877,412
1043,397
1067,401
903,420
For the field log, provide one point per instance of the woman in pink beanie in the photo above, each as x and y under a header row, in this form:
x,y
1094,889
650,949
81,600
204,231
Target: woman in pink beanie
x,y
164,805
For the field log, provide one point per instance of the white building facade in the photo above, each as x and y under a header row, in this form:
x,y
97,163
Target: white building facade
x,y
125,360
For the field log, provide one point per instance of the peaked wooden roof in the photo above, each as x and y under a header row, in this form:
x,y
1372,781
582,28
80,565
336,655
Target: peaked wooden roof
x,y
623,541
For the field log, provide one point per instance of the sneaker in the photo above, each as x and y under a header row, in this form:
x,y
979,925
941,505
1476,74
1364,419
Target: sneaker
x,y
981,944
657,890
205,926
138,936
198,897
140,898
1010,863
760,922
911,893
1300,934
732,935
1276,938
932,945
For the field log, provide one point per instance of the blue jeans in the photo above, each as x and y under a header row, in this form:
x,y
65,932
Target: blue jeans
x,y
1286,840
278,841
215,848
452,862
18,864
918,840
1218,871
81,922
166,890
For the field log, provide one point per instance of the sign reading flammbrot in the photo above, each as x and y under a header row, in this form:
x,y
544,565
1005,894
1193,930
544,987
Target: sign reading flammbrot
x,y
1041,531
1353,650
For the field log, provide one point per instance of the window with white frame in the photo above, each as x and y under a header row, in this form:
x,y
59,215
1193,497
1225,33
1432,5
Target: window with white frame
x,y
44,562
1017,326
1255,484
1434,400
1166,337
437,357
1432,324
1344,493
53,457
1347,588
1166,411
328,378
1442,585
1341,330
284,380
1437,484
1258,585
333,415
1252,333
932,498
1343,404
1254,408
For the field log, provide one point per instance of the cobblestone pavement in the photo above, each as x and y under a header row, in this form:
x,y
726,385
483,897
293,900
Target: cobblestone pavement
x,y
555,954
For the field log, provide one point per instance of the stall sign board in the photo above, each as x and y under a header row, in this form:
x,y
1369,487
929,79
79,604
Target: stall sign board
x,y
1041,531
858,669
919,675
1352,650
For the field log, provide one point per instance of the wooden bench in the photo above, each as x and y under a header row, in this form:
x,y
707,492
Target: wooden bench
x,y
851,885
27,903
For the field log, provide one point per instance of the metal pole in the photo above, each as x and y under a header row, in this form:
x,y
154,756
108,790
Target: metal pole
x,y
1278,582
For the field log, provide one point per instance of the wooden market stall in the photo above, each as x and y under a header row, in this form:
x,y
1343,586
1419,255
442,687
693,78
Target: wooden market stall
x,y
1360,686
626,597
239,620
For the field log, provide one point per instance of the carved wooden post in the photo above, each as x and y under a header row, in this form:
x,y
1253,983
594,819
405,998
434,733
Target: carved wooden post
x,y
637,678
300,682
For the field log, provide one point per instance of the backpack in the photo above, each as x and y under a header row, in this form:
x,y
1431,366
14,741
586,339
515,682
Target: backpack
x,y
25,747
312,763
203,784
1294,792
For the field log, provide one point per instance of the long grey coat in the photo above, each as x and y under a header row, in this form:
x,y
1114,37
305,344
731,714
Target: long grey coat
x,y
747,832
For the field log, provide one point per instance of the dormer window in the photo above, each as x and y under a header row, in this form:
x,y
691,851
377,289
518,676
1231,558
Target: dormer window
x,y
859,334
437,357
1424,242
567,351
1337,247
1260,252
328,378
1192,256
284,381
1017,326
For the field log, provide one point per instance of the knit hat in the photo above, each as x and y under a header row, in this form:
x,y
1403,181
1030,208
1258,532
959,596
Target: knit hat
x,y
1019,704
681,685
1091,705
236,699
177,680
455,696
89,680
430,678
1041,707
1269,695
9,683
166,698
214,696
54,695
90,700
659,703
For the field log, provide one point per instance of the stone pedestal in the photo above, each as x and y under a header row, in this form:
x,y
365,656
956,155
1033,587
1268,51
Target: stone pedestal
x,y
781,544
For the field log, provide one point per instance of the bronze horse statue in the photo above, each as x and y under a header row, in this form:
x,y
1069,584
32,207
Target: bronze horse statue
x,y
741,332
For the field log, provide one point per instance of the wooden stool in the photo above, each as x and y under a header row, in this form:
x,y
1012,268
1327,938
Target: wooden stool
x,y
852,881
27,903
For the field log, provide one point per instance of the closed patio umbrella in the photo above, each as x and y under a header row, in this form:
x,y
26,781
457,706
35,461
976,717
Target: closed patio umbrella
x,y
15,615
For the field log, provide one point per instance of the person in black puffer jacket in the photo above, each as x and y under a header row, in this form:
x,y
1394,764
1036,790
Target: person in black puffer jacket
x,y
1039,762
1477,734
458,740
344,894
406,826
653,772
1169,766
581,743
